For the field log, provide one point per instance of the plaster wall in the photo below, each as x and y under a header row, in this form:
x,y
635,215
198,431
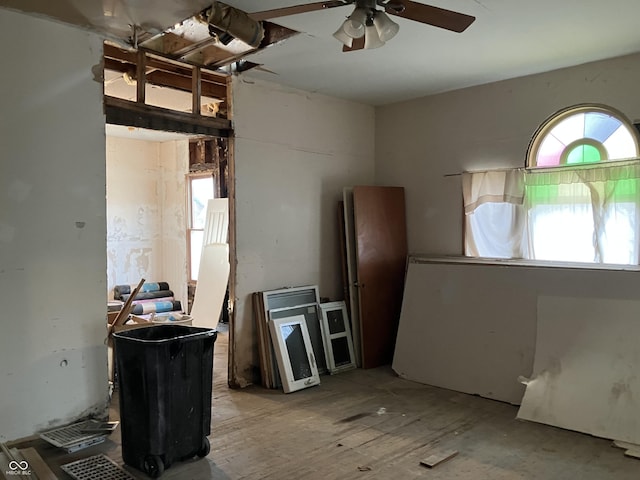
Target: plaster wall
x,y
53,360
294,153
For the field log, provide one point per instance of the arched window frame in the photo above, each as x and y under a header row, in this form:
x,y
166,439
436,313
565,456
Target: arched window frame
x,y
554,120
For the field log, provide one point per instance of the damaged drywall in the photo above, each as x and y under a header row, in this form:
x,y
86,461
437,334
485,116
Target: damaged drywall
x,y
585,372
146,213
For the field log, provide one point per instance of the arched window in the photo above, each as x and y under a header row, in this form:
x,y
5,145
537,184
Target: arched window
x,y
588,213
578,200
582,134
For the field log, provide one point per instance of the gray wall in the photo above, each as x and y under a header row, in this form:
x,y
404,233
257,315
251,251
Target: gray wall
x,y
53,365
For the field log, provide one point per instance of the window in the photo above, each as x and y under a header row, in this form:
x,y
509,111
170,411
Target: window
x,y
200,191
582,134
578,199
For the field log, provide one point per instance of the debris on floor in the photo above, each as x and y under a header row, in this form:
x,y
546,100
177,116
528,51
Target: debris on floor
x,y
438,458
630,449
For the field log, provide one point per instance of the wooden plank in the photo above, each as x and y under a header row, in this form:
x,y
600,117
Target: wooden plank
x,y
20,465
632,453
625,445
123,112
437,458
343,257
196,91
141,77
4,467
126,308
260,324
37,464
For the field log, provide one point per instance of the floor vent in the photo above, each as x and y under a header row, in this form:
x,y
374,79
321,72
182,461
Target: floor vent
x,y
73,437
98,467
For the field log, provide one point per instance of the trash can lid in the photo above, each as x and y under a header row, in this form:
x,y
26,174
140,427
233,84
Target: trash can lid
x,y
163,333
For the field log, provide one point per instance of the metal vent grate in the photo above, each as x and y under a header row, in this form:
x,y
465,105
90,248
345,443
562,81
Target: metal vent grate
x,y
98,467
72,436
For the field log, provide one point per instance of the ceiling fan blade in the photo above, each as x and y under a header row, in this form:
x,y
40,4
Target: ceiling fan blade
x,y
309,7
438,17
357,44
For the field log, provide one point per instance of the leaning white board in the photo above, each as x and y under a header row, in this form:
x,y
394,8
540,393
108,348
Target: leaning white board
x,y
586,364
212,285
467,328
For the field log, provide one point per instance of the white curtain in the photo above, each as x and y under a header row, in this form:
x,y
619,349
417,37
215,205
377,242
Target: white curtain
x,y
580,214
584,214
495,221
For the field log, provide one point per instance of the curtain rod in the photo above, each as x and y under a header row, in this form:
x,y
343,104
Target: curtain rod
x,y
611,163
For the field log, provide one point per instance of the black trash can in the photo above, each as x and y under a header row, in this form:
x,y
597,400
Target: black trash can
x,y
164,381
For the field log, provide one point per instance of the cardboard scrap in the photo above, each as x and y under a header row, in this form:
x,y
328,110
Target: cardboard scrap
x,y
437,458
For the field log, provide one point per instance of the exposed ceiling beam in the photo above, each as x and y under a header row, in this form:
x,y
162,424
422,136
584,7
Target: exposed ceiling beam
x,y
124,112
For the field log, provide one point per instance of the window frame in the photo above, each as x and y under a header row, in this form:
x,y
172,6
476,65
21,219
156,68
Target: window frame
x,y
190,228
550,123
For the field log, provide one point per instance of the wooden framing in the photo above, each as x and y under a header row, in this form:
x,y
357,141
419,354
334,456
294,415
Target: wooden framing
x,y
173,73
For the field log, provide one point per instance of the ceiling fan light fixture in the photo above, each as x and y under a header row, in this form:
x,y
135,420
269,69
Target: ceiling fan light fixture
x,y
372,38
342,36
387,28
354,26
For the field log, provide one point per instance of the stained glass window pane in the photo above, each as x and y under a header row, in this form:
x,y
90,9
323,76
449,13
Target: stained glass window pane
x,y
583,154
569,129
600,126
620,144
549,152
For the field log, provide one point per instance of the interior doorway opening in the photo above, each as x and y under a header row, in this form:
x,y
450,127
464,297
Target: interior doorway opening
x,y
168,123
149,207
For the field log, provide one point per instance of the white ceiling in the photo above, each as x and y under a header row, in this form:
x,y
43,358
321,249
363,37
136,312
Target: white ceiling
x,y
509,38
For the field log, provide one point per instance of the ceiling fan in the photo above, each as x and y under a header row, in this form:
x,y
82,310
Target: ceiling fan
x,y
367,27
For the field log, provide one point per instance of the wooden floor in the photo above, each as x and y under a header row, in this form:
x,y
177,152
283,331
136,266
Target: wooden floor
x,y
369,424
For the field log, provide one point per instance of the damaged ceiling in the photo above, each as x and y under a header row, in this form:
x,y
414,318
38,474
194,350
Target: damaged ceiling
x,y
506,40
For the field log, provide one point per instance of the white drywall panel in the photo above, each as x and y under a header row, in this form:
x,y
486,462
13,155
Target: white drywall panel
x,y
472,327
53,361
294,152
213,278
585,367
466,329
